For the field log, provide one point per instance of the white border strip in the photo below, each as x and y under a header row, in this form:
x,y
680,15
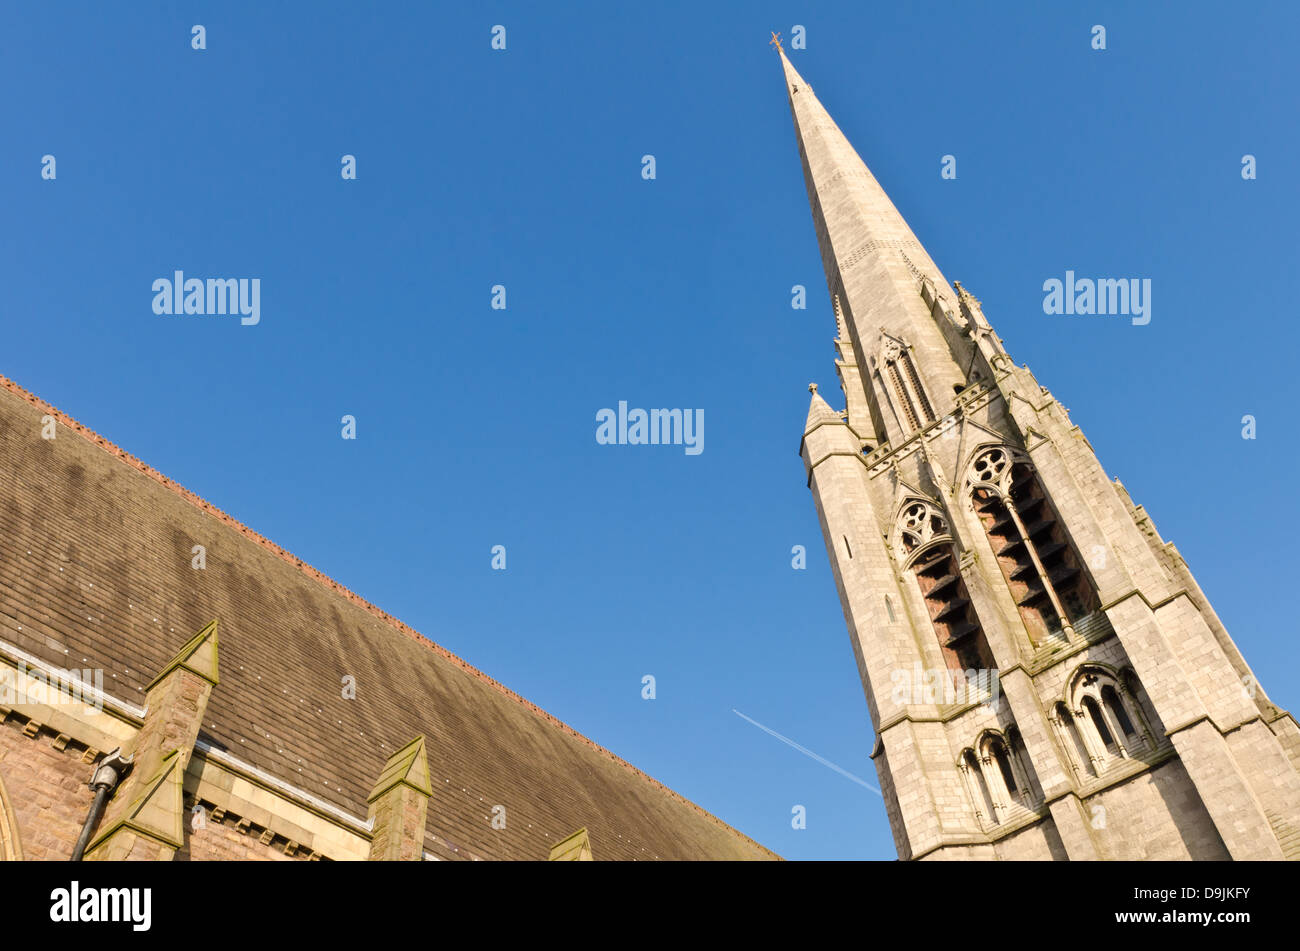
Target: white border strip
x,y
122,706
35,663
221,756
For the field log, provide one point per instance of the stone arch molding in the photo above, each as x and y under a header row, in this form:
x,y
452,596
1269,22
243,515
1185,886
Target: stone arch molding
x,y
11,848
1049,582
918,524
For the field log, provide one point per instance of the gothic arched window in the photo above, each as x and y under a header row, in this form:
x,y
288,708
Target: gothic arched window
x,y
1099,724
1111,722
1040,565
978,788
1019,756
925,544
1081,760
1004,766
998,777
1116,709
904,383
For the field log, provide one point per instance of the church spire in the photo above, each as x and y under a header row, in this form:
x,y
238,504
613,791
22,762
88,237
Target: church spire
x,y
956,519
911,359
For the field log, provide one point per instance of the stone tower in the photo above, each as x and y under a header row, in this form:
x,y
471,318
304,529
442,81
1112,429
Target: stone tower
x,y
1045,677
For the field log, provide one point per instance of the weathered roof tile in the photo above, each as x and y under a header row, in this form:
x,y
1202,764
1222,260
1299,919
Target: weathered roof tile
x,y
77,511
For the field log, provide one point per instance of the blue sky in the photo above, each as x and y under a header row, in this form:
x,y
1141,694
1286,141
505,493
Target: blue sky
x,y
523,168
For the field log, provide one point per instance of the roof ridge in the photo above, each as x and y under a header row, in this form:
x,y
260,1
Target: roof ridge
x,y
401,626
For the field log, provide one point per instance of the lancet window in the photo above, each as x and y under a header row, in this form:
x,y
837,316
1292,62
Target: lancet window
x,y
999,778
904,383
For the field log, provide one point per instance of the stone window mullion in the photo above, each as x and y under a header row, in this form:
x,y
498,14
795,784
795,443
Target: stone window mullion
x,y
1097,751
1067,741
972,789
1079,751
1113,725
980,793
1038,566
993,780
1135,715
1018,769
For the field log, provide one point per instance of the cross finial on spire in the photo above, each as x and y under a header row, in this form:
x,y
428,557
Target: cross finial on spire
x,y
776,41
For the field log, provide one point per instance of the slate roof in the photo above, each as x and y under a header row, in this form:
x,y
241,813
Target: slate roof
x,y
95,552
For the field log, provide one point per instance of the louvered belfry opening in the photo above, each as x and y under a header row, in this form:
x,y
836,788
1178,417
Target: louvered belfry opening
x,y
1034,532
955,623
1017,566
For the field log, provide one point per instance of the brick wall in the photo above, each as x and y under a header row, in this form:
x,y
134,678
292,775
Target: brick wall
x,y
50,797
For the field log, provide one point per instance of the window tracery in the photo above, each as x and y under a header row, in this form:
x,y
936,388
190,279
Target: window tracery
x,y
923,540
1040,565
1102,721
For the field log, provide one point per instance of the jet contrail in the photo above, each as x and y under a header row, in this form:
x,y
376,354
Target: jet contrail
x,y
808,752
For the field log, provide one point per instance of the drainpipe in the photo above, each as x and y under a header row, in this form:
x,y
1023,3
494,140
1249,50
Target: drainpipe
x,y
107,775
